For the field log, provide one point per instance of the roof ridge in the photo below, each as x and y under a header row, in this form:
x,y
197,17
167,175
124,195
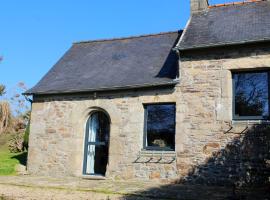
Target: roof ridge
x,y
128,37
235,3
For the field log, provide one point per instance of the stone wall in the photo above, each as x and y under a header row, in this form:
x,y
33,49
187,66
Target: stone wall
x,y
58,126
210,147
214,149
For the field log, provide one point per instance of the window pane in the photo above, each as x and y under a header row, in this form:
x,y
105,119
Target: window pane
x,y
251,94
101,159
99,127
161,126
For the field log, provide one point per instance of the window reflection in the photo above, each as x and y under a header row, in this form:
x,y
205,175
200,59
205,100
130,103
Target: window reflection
x,y
251,95
100,126
160,126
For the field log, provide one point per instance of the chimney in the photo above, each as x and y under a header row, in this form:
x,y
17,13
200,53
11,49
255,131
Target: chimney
x,y
198,5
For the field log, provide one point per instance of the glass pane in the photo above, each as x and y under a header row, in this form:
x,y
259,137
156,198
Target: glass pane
x,y
103,132
161,126
93,128
99,128
90,159
101,159
96,160
251,94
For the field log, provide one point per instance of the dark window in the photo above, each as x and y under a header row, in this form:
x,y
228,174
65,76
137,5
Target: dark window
x,y
96,144
159,127
251,95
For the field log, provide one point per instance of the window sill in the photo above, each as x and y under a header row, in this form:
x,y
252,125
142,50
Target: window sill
x,y
157,149
250,122
242,126
93,177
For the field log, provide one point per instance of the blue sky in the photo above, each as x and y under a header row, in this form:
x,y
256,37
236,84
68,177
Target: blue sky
x,y
35,34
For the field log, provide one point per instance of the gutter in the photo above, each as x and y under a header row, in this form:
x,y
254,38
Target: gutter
x,y
27,98
173,82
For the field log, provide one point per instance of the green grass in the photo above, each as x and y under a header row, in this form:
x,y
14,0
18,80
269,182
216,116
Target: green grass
x,y
8,161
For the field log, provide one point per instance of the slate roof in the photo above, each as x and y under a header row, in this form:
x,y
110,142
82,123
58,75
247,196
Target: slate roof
x,y
228,25
134,62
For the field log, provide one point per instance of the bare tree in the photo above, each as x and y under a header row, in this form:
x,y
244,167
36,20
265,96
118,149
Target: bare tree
x,y
5,111
2,90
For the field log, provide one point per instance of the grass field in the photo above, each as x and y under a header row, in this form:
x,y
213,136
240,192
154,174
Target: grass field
x,y
8,161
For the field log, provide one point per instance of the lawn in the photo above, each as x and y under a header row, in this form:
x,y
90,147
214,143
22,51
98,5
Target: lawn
x,y
8,161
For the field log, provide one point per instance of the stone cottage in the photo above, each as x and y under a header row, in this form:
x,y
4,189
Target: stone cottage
x,y
191,105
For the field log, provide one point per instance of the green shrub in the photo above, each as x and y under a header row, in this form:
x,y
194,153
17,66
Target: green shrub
x,y
15,145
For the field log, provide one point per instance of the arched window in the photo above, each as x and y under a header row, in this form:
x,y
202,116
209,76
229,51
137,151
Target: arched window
x,y
96,144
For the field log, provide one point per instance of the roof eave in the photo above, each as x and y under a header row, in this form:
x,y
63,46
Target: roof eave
x,y
171,83
213,45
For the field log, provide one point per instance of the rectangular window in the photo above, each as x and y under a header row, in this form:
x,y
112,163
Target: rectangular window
x,y
251,95
160,127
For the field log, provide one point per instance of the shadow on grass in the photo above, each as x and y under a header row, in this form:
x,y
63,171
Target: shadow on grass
x,y
241,170
22,158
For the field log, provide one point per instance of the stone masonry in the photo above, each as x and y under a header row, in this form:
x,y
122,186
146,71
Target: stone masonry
x,y
210,147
